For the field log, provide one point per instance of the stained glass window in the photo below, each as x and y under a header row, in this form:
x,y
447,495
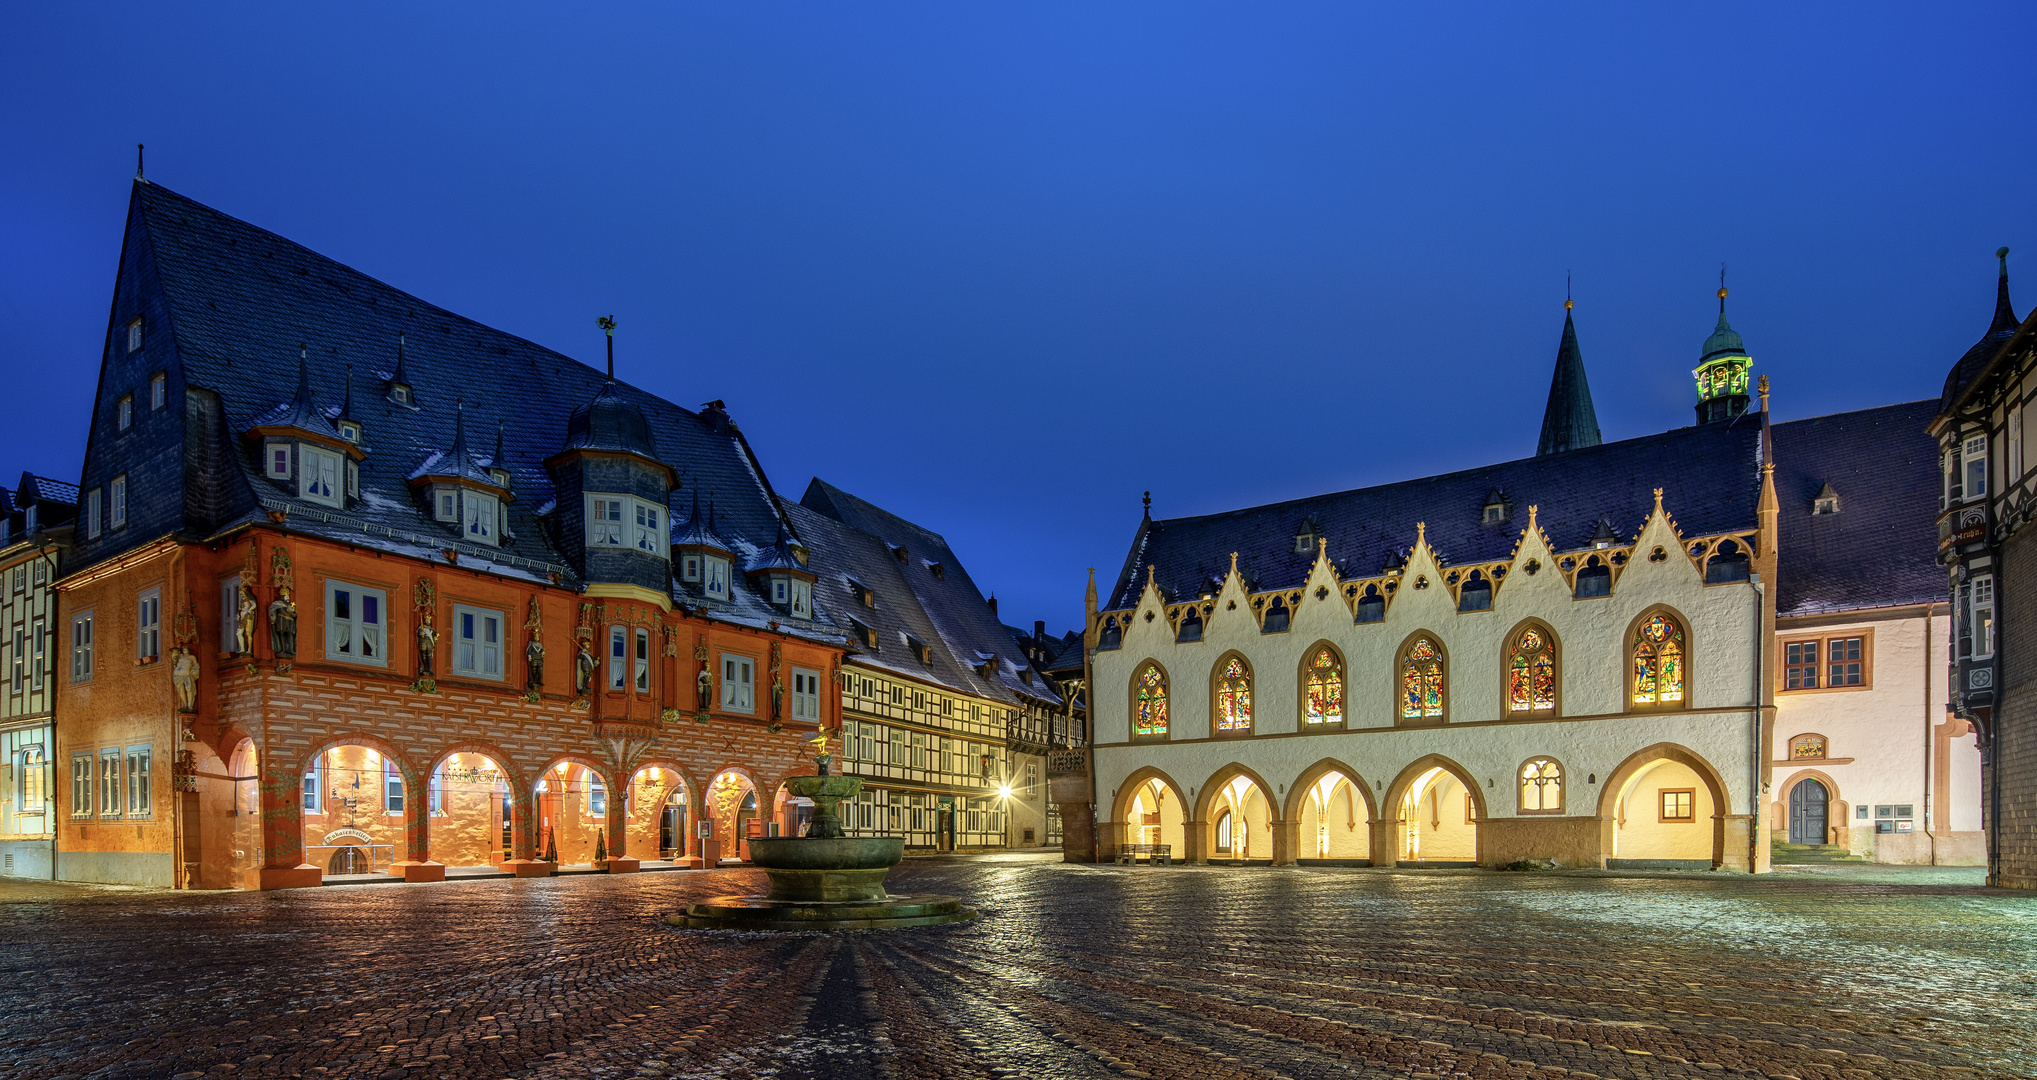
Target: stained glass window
x,y
1421,681
1151,690
1531,673
1324,701
1234,698
1658,662
1541,787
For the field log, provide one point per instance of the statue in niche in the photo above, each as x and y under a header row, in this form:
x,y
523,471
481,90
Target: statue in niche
x,y
184,678
427,646
583,667
703,687
534,665
244,620
283,625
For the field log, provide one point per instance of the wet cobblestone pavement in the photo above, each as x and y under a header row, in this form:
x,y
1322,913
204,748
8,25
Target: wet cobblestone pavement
x,y
1072,972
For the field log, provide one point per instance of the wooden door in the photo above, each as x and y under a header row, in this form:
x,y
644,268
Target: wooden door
x,y
1807,804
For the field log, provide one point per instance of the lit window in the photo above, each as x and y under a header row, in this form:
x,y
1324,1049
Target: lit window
x,y
158,386
149,626
118,516
134,334
354,627
1541,787
1531,672
123,411
618,658
597,796
1679,804
1234,698
643,662
738,683
1421,679
312,786
805,696
392,788
477,642
81,647
81,785
1983,617
321,475
604,521
1149,702
1658,662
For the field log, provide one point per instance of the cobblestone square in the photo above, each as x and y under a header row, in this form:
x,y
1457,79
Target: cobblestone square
x,y
1073,971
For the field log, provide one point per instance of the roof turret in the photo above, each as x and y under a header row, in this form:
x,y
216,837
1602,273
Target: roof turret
x,y
301,411
1568,422
1998,334
700,531
610,422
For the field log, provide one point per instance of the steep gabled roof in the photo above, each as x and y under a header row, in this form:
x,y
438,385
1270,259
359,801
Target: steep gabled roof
x,y
1881,548
1709,475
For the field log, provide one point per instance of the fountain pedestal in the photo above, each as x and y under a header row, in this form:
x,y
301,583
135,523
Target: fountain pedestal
x,y
824,880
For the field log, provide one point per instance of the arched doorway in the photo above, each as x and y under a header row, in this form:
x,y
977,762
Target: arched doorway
x,y
572,814
658,824
1437,820
1154,815
1241,822
353,799
732,805
1809,803
470,812
1335,819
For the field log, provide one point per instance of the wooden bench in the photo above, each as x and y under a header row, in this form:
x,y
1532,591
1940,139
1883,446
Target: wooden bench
x,y
1156,854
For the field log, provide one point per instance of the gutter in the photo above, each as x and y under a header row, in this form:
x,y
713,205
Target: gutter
x,y
1927,739
1756,755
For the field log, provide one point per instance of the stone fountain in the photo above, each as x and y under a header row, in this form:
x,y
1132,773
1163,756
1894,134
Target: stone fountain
x,y
824,880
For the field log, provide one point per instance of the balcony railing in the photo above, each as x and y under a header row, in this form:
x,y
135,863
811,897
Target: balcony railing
x,y
1039,734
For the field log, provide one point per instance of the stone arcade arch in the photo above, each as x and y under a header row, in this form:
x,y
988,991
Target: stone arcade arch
x,y
731,804
1149,808
357,797
471,799
1334,814
1437,808
1665,806
1256,824
570,810
662,812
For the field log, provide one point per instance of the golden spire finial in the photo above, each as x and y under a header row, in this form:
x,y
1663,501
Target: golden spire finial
x,y
1658,500
1531,516
1568,303
1234,563
1421,532
1762,384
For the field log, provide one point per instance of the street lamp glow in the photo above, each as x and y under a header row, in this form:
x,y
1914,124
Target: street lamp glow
x,y
1004,791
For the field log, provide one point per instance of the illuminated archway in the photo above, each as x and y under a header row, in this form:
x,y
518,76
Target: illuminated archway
x,y
1334,811
1153,811
1248,799
1667,804
733,811
1437,808
660,817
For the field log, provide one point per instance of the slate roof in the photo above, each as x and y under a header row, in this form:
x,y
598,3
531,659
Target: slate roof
x,y
1569,421
957,620
1709,474
1881,548
1999,331
240,300
42,489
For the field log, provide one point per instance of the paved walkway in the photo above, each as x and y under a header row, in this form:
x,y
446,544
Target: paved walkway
x,y
1101,971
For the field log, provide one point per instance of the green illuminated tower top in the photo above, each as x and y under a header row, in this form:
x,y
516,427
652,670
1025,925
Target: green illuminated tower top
x,y
1723,369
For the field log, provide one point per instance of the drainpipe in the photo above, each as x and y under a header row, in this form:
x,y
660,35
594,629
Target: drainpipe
x,y
1754,758
1933,837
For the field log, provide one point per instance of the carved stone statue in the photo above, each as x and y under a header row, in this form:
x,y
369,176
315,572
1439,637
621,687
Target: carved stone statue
x,y
184,677
244,620
583,667
534,665
427,647
703,685
283,625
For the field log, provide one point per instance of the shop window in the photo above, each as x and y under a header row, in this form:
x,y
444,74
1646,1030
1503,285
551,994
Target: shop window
x,y
392,788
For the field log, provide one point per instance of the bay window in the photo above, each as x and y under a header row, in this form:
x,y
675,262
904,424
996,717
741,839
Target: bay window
x,y
320,475
643,672
480,514
618,655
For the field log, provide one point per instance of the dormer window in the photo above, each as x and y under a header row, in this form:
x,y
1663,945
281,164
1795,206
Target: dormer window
x,y
134,334
862,593
649,536
689,568
1495,509
1827,501
501,478
276,460
605,514
320,478
865,635
350,431
919,649
802,598
715,577
399,393
1306,539
480,517
935,569
898,552
1494,513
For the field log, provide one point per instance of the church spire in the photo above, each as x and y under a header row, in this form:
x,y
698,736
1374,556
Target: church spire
x,y
1569,422
2005,313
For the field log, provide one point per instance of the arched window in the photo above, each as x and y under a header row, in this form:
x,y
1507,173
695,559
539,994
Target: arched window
x,y
1234,698
1531,672
1224,832
1421,679
1323,690
1149,702
1542,787
1659,662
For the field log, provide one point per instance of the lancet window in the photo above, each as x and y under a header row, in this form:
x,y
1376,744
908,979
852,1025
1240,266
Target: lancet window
x,y
1323,689
1659,673
1421,680
1149,702
1531,672
1541,787
1234,698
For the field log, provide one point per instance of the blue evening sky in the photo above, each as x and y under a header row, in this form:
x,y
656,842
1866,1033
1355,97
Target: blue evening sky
x,y
1000,268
